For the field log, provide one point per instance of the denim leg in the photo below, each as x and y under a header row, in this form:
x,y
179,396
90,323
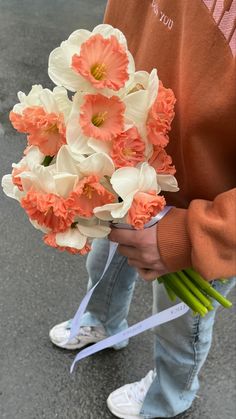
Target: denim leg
x,y
110,302
181,348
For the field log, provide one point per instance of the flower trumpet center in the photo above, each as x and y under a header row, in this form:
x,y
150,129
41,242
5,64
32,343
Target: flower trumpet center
x,y
128,152
99,118
53,129
98,71
88,191
136,88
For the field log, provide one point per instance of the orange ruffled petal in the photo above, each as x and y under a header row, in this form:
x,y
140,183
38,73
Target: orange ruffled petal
x,y
160,116
45,130
161,161
102,117
128,148
104,62
87,195
48,210
144,207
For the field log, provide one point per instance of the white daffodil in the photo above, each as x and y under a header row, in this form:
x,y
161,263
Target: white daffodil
x,y
78,142
43,115
76,239
77,236
99,164
12,183
47,180
55,101
88,61
126,182
140,97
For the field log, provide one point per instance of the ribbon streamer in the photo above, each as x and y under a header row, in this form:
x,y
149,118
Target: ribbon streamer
x,y
155,320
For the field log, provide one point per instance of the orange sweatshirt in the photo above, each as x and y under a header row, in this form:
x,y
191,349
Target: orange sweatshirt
x,y
193,45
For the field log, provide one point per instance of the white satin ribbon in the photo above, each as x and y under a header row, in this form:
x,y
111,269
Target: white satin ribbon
x,y
155,320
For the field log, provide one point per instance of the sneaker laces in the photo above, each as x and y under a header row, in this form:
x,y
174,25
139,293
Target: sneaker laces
x,y
139,389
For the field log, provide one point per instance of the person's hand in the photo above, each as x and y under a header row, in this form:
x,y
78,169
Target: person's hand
x,y
140,247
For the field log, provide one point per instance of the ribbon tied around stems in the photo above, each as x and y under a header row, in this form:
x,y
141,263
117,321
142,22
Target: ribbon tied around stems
x,y
152,321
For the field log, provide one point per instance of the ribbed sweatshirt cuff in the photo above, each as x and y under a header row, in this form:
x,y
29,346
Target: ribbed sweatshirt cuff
x,y
173,241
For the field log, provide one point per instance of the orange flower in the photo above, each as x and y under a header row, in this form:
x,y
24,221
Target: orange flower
x,y
160,116
45,130
161,161
104,62
48,209
50,240
144,207
87,195
127,148
102,117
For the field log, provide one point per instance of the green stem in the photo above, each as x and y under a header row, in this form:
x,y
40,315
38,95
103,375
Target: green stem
x,y
160,279
205,286
192,287
184,294
170,292
47,160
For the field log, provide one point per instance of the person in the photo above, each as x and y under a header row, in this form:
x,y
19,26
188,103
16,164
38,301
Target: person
x,y
193,46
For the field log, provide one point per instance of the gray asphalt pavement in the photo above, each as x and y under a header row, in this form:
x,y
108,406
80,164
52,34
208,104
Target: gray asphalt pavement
x,y
40,287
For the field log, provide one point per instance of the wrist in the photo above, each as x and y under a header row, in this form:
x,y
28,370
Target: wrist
x,y
173,241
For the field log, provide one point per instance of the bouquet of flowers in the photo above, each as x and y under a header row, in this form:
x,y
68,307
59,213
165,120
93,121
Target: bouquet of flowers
x,y
97,156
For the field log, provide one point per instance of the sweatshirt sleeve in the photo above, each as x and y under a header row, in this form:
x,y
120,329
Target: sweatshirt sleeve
x,y
202,236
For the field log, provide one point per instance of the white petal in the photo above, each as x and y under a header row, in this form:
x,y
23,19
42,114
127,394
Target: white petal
x,y
48,101
65,161
104,212
78,37
61,73
59,65
100,146
107,30
29,180
142,78
40,178
115,211
63,102
125,180
97,231
10,189
168,183
131,65
136,106
77,142
71,238
138,103
153,84
33,157
20,164
32,99
64,184
98,164
147,178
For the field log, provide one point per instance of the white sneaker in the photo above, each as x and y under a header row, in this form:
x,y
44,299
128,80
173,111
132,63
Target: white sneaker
x,y
126,402
87,334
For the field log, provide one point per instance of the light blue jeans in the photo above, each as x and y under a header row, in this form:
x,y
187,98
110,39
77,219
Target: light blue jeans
x,y
181,346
